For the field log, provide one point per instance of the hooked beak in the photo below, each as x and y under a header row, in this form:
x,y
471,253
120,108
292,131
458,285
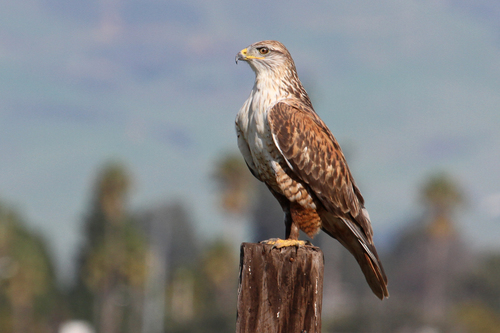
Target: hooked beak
x,y
242,55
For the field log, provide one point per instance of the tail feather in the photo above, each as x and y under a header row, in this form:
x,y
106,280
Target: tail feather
x,y
354,240
375,276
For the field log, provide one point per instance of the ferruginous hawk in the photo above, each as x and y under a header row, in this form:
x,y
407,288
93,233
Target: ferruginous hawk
x,y
288,147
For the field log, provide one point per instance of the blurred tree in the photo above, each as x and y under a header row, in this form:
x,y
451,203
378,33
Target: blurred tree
x,y
480,309
486,281
219,266
112,262
442,195
425,268
171,262
235,182
27,280
236,187
203,298
428,260
171,226
476,317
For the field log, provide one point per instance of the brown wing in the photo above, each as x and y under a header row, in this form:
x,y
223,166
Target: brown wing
x,y
314,155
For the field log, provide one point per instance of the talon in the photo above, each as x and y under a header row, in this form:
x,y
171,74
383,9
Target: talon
x,y
279,243
269,241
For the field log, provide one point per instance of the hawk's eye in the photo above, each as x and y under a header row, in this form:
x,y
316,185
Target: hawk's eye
x,y
263,50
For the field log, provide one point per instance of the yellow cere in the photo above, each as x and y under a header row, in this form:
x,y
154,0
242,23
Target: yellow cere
x,y
244,53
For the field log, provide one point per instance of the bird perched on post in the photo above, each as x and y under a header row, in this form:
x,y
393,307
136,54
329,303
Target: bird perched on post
x,y
288,147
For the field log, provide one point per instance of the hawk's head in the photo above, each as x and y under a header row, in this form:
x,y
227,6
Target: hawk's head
x,y
274,69
265,56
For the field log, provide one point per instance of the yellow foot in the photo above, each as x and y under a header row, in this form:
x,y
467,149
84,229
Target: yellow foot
x,y
279,243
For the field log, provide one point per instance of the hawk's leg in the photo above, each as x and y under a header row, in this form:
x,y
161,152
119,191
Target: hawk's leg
x,y
292,235
291,229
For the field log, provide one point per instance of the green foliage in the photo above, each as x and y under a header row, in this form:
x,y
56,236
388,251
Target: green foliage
x,y
477,317
200,286
121,256
27,281
111,270
108,201
483,284
442,192
235,182
214,282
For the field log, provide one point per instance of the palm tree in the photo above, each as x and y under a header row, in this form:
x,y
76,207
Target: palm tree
x,y
113,261
26,273
441,195
235,183
236,189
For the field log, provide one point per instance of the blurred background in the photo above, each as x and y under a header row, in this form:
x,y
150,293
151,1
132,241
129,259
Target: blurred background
x,y
123,198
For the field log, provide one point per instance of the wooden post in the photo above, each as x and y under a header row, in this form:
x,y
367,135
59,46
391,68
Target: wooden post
x,y
280,290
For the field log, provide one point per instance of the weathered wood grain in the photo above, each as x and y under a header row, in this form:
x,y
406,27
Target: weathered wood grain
x,y
280,290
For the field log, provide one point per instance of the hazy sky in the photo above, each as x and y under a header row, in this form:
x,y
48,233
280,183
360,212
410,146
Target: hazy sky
x,y
409,88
